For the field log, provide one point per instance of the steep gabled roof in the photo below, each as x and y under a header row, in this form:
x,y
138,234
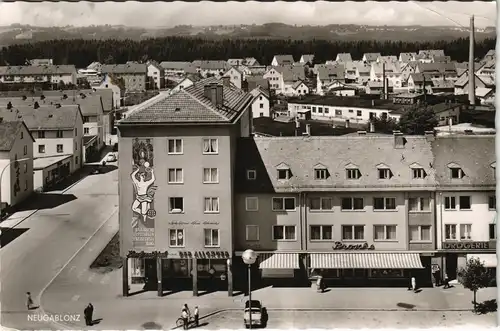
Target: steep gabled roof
x,y
8,134
284,59
44,118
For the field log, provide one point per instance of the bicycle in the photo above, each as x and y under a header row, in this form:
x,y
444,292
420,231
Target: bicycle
x,y
180,321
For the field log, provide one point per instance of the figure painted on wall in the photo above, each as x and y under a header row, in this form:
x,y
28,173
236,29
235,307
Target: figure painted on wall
x,y
143,178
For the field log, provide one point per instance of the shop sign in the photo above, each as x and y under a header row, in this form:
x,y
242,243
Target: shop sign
x,y
142,254
466,245
205,255
339,246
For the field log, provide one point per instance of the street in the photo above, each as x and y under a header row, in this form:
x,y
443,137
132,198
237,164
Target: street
x,y
48,240
353,320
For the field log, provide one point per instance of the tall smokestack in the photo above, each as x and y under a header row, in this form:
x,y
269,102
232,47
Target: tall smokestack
x,y
384,81
472,75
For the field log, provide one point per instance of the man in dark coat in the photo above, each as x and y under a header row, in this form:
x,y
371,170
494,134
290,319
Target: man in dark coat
x,y
88,312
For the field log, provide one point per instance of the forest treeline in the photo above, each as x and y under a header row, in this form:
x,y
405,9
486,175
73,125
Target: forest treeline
x,y
82,52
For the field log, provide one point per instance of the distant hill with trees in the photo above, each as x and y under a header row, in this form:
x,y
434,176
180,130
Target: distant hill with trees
x,y
81,52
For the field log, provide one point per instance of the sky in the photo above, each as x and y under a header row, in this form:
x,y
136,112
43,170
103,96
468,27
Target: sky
x,y
168,14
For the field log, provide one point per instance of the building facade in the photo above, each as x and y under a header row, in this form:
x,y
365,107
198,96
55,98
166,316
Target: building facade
x,y
134,75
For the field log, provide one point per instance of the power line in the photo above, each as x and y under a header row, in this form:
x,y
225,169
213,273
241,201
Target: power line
x,y
438,13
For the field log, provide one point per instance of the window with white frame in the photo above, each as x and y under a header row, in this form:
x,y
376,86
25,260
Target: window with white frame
x,y
384,173
351,203
493,231
251,174
456,173
211,205
353,232
210,175
353,174
284,232
321,232
210,146
41,148
384,232
492,202
419,204
176,205
465,231
320,174
418,173
384,203
252,203
321,203
283,204
283,174
212,238
450,232
420,233
177,238
464,202
175,146
252,233
450,203
175,176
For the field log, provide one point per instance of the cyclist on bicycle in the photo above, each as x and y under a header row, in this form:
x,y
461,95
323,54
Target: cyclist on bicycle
x,y
185,315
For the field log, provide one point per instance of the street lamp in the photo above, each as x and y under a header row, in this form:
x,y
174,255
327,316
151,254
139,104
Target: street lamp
x,y
249,257
1,176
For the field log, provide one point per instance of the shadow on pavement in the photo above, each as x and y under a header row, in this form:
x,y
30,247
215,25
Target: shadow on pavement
x,y
488,306
72,179
9,234
151,326
405,305
96,321
100,169
47,201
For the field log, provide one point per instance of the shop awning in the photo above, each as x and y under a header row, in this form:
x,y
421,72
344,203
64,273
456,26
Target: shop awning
x,y
489,260
366,261
279,261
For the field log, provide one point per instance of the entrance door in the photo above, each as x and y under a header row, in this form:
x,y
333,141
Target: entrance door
x,y
451,266
150,273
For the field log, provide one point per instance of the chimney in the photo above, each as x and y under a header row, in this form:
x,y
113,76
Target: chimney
x,y
399,139
429,135
361,133
226,81
213,91
472,81
372,127
384,82
386,89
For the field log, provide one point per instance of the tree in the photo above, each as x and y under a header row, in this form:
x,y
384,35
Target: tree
x,y
383,124
475,276
417,120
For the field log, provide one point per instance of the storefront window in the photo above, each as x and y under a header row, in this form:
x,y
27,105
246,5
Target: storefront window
x,y
386,273
179,268
138,270
211,268
331,273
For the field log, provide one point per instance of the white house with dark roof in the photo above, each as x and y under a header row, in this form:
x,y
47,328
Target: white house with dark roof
x,y
156,75
16,143
134,75
282,60
208,68
328,74
53,74
186,82
407,57
297,89
261,106
307,59
428,55
343,57
283,78
236,76
176,68
392,73
370,57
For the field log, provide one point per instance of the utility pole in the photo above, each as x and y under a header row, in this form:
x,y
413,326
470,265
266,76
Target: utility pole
x,y
472,73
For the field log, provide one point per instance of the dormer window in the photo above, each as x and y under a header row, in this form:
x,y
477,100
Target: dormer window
x,y
320,172
417,171
456,172
384,172
284,172
251,174
352,171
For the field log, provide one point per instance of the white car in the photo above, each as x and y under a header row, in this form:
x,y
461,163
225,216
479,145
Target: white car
x,y
111,157
259,317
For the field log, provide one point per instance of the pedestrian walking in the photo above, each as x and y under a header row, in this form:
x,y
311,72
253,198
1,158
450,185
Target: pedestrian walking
x,y
29,301
185,318
196,316
86,314
446,282
413,284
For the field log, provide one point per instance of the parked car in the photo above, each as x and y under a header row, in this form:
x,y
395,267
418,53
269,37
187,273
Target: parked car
x,y
259,315
111,157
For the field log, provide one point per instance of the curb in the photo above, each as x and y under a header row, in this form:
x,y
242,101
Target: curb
x,y
220,311
39,297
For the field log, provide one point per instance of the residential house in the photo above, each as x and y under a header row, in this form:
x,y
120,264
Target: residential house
x,y
371,57
445,71
177,68
188,81
194,132
345,109
417,81
486,95
447,112
156,75
428,56
235,76
341,89
363,71
211,68
486,72
235,62
261,106
251,62
350,71
387,59
465,200
405,58
311,205
16,162
440,85
253,82
58,134
392,73
39,74
307,59
377,87
328,74
110,82
406,71
95,66
299,88
462,84
134,75
283,78
490,56
41,62
282,60
441,59
343,57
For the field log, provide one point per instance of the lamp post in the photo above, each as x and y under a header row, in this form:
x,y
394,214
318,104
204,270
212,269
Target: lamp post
x,y
1,176
249,257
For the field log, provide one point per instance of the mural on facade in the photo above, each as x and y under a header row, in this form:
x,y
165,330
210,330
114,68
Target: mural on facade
x,y
143,178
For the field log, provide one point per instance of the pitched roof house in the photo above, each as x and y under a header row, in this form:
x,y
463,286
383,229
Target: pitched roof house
x,y
343,57
282,60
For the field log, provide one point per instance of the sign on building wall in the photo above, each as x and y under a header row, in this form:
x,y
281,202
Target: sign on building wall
x,y
143,179
467,245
